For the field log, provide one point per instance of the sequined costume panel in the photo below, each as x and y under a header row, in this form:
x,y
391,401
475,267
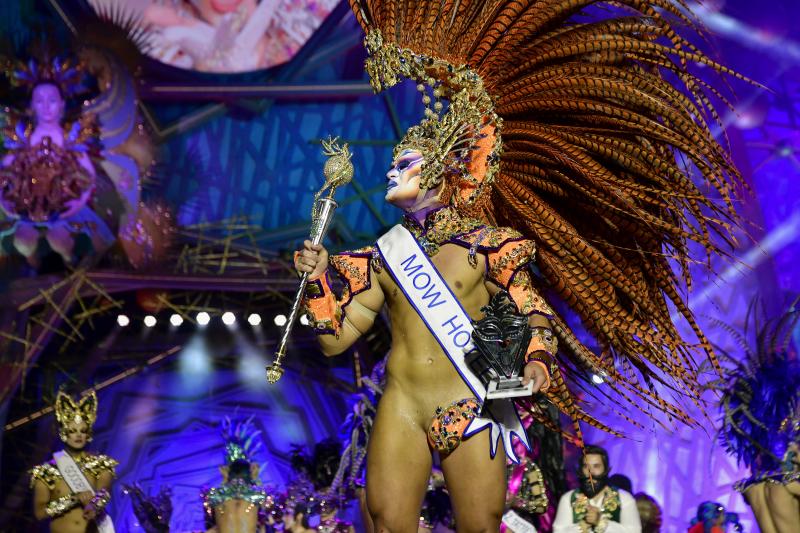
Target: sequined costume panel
x,y
448,425
91,465
354,269
324,307
235,490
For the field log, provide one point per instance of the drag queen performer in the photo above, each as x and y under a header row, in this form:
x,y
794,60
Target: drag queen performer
x,y
73,489
546,137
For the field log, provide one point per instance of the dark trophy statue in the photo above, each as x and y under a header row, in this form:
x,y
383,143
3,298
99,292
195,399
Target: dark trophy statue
x,y
501,339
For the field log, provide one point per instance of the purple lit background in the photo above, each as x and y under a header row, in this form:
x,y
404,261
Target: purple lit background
x,y
163,425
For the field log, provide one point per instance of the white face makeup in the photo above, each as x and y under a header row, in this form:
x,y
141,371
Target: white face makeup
x,y
402,188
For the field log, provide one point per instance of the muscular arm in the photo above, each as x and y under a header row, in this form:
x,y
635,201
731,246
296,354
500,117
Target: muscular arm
x,y
103,483
339,322
359,315
41,497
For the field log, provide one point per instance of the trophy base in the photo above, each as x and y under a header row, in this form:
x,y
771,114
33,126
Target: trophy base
x,y
508,388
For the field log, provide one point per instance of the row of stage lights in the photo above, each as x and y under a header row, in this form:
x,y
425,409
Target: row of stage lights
x,y
254,319
203,318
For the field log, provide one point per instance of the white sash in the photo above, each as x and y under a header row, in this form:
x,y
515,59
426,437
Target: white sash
x,y
450,325
77,482
516,523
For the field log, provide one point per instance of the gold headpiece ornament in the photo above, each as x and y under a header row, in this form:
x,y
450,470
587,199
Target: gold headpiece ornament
x,y
447,139
69,412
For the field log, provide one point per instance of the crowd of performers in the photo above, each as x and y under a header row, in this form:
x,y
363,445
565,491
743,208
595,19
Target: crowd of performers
x,y
72,490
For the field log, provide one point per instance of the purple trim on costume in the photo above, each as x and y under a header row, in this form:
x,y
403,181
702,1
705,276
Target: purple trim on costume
x,y
482,248
511,454
525,443
486,425
511,280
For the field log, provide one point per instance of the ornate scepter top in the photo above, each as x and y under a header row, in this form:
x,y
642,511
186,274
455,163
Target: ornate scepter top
x,y
338,168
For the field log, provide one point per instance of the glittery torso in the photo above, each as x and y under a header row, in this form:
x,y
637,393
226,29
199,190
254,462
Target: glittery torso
x,y
69,517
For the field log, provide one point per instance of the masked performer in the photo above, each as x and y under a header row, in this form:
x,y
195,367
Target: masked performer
x,y
760,404
241,504
74,488
553,131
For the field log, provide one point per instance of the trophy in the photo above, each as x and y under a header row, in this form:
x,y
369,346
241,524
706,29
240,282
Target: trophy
x,y
338,171
501,340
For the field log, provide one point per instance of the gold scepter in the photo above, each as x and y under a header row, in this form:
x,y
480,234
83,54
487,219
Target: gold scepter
x,y
338,171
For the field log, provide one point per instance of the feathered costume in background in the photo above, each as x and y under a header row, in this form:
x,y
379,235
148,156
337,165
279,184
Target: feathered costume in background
x,y
109,130
242,443
357,428
708,514
760,400
600,150
152,512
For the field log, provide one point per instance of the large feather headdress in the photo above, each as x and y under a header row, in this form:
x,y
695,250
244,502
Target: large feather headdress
x,y
589,130
66,73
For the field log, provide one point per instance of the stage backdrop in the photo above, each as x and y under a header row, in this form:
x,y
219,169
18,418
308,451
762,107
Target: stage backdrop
x,y
163,428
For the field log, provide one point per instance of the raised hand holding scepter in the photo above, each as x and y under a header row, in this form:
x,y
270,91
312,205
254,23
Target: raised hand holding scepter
x,y
338,171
